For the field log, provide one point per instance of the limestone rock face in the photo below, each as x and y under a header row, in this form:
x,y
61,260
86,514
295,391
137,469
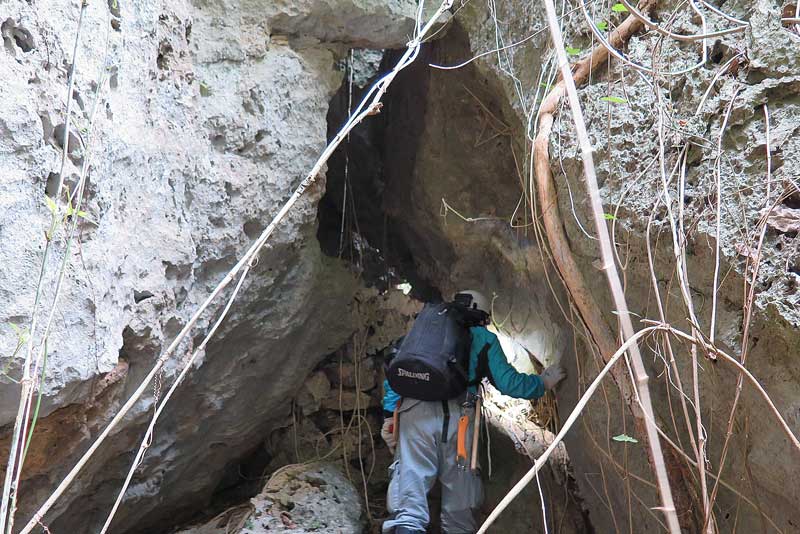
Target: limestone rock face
x,y
210,114
366,23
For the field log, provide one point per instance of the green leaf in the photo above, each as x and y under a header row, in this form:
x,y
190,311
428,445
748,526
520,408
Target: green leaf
x,y
80,213
51,204
71,211
619,8
602,26
22,333
205,90
625,438
545,85
572,51
609,217
614,99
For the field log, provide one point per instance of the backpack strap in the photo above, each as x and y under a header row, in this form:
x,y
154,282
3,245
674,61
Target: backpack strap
x,y
445,420
482,370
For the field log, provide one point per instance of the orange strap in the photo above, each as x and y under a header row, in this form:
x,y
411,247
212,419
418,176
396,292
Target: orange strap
x,y
463,423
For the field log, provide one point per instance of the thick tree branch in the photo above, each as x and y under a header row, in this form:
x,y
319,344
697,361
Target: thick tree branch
x,y
590,313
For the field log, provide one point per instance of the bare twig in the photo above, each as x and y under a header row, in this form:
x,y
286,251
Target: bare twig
x,y
748,314
611,48
29,376
718,181
679,252
579,407
557,241
743,373
696,37
657,458
718,11
148,436
41,356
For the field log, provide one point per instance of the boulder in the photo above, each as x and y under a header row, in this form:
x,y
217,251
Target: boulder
x,y
297,499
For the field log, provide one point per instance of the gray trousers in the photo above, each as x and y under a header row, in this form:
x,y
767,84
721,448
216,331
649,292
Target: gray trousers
x,y
426,450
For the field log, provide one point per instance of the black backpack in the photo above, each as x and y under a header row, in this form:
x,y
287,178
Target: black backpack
x,y
432,362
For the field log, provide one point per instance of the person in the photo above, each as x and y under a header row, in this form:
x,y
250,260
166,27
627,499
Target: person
x,y
425,448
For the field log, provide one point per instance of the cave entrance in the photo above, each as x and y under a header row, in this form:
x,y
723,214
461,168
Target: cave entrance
x,y
426,198
354,223
432,193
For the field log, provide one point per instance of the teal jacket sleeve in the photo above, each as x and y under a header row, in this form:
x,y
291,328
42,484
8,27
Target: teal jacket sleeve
x,y
503,375
390,398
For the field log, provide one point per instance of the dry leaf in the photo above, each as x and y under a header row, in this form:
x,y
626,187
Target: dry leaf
x,y
734,68
286,519
784,219
745,250
788,12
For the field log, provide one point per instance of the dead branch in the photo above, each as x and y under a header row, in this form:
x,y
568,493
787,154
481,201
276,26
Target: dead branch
x,y
584,400
574,281
638,370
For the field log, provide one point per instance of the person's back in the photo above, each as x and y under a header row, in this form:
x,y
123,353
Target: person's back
x,y
427,440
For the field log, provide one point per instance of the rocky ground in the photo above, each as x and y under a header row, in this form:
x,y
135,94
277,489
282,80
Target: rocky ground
x,y
296,500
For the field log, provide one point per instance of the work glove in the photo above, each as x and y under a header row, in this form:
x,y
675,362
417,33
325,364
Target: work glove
x,y
552,376
387,433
